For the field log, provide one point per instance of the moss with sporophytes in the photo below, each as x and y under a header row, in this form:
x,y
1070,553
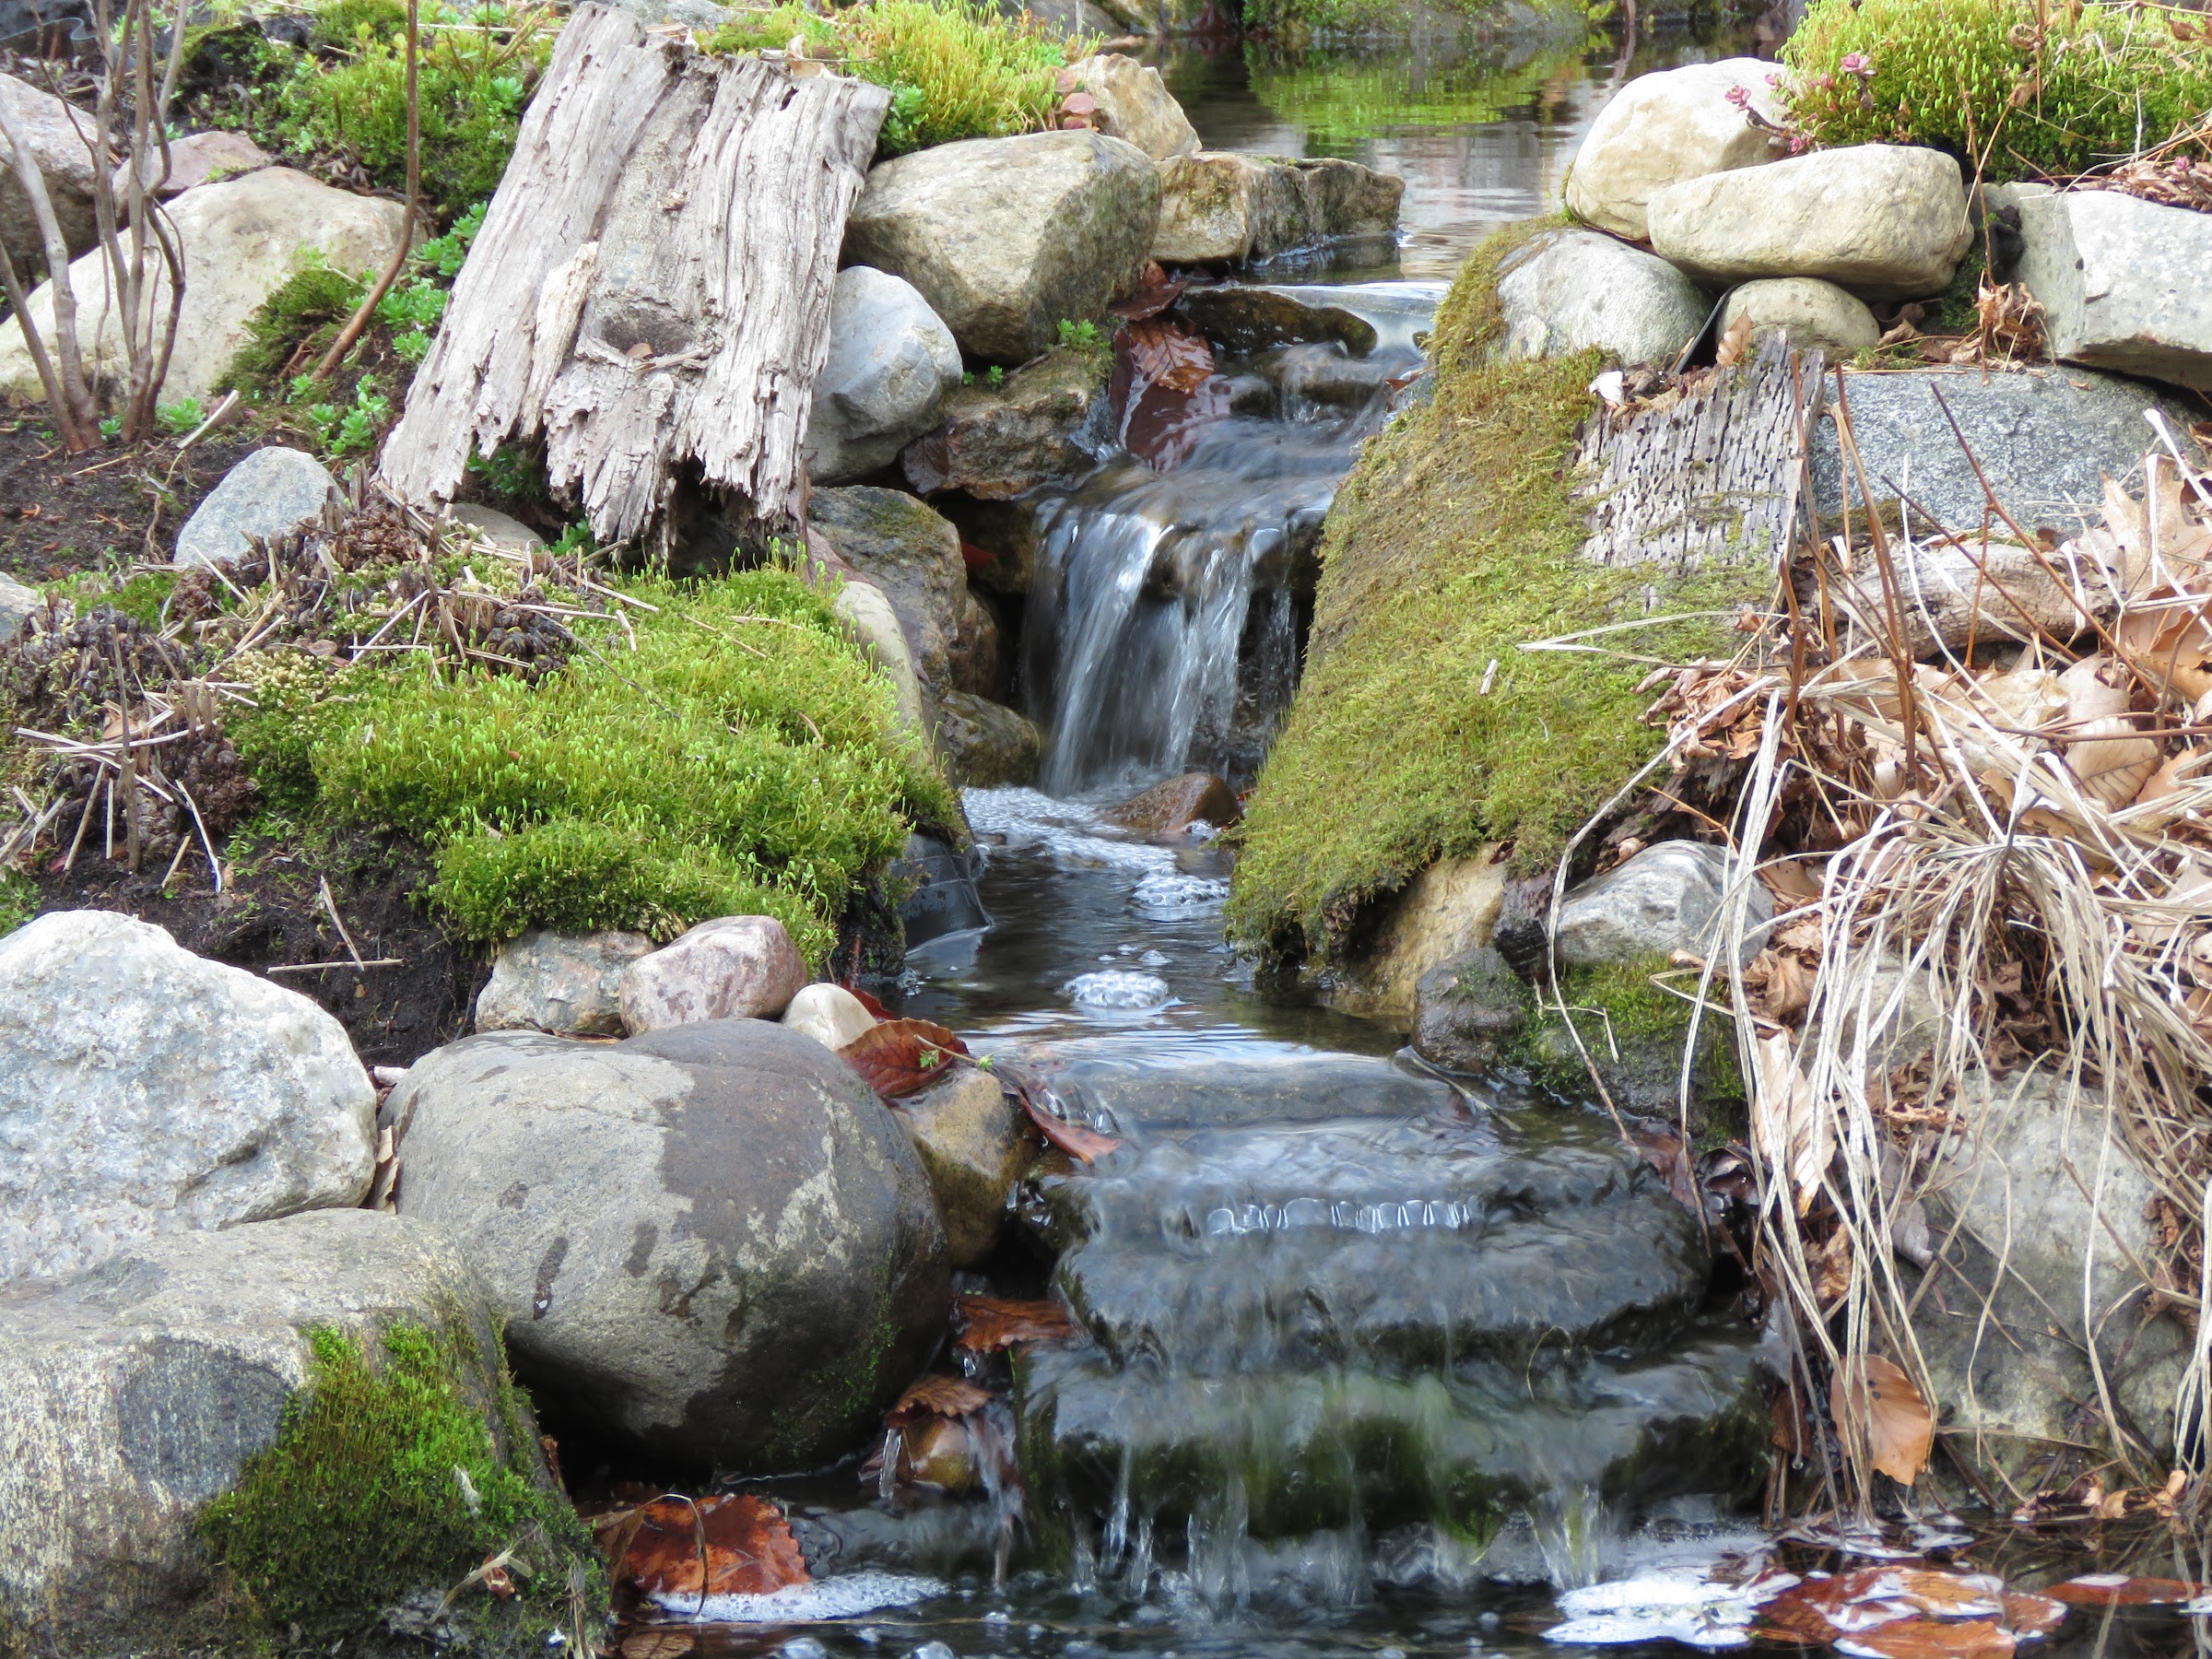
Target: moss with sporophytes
x,y
403,1464
1635,1030
743,757
1454,543
2017,88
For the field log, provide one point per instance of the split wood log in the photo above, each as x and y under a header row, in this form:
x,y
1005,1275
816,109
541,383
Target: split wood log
x,y
1714,479
649,292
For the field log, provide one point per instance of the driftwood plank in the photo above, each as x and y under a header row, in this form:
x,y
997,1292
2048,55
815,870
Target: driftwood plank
x,y
1714,478
650,293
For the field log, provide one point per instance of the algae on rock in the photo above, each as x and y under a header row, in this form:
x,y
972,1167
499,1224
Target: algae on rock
x,y
1466,532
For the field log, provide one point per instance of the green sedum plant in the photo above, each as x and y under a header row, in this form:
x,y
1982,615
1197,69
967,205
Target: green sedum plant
x,y
2021,87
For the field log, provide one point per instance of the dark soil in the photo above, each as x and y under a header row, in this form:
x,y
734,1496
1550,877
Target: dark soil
x,y
270,913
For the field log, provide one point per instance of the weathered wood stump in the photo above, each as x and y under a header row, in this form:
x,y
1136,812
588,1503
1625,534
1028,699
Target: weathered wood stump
x,y
650,293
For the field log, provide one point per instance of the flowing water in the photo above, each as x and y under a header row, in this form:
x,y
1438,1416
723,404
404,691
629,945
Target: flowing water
x,y
1381,1362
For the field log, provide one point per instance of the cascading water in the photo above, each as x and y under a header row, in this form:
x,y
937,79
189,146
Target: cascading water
x,y
1163,623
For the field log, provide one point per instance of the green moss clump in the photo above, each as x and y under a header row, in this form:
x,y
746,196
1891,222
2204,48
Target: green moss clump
x,y
361,1500
1635,1029
19,899
956,68
307,308
1455,541
2040,90
741,758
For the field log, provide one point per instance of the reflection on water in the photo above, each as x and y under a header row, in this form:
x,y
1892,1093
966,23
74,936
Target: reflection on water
x,y
1480,124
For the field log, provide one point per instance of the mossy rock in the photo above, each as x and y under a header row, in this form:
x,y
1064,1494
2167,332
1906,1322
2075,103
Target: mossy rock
x,y
1456,542
1634,1031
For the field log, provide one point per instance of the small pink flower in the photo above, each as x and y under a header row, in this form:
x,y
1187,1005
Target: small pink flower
x,y
1856,62
1738,96
1797,144
1775,79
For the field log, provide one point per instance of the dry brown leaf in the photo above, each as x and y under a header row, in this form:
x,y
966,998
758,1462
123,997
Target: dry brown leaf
x,y
2027,1615
1736,344
898,1056
1794,1137
987,1323
2117,760
745,1543
936,1396
2167,635
1932,1638
2118,1590
1874,1397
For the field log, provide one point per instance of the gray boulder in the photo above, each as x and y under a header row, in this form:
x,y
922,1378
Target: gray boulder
x,y
1660,129
892,363
1468,1009
1246,317
561,983
199,158
1888,221
1223,206
986,744
1666,898
1045,422
500,529
144,1090
973,1142
242,240
50,128
2046,441
2007,1349
713,1242
865,610
265,494
1812,312
132,1395
1134,104
729,968
2121,282
1566,290
1005,238
19,604
913,555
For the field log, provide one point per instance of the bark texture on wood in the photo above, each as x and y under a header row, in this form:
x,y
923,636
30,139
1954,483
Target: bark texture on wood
x,y
649,292
1715,479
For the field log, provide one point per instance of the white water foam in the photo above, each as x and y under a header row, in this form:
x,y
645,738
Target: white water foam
x,y
1027,819
1118,989
841,1597
1166,897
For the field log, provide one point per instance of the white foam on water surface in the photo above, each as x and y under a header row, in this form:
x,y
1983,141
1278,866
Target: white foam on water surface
x,y
1118,989
1682,1605
841,1597
1164,898
1067,832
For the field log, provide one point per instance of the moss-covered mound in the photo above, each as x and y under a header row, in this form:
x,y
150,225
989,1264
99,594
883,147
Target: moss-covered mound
x,y
1454,543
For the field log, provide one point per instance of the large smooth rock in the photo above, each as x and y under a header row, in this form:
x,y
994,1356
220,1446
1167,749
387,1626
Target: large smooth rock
x,y
1468,1008
713,1242
1246,317
1005,238
1666,898
892,363
1451,907
242,239
1566,290
1134,104
266,494
1812,312
131,1395
1043,423
1887,221
199,158
973,1142
1662,128
829,1014
913,555
561,983
2121,282
1174,806
19,604
144,1090
985,744
2008,1351
500,529
865,610
1223,206
729,968
2046,440
50,128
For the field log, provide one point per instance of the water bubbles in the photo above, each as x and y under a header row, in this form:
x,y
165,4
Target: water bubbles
x,y
933,1650
1117,990
839,1597
802,1647
1168,898
1153,959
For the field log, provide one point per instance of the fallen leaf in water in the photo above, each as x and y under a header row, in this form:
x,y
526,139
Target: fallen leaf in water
x,y
1164,390
659,1644
1079,1141
1931,1638
1874,1401
937,1395
744,1541
867,1001
1666,1152
987,1323
2117,1590
2027,1615
1154,294
898,1056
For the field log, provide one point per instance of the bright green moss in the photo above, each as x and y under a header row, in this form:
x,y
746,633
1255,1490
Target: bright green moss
x,y
1454,542
388,1477
1635,1029
743,757
309,305
2040,90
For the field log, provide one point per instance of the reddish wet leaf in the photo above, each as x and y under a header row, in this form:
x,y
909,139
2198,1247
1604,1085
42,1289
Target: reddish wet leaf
x,y
975,558
868,1002
899,1056
1666,1152
1154,295
746,1546
936,1396
988,1323
2116,1590
1079,1141
1163,354
1932,1638
2027,1615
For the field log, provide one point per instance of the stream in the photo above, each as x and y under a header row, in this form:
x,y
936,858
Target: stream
x,y
1381,1361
